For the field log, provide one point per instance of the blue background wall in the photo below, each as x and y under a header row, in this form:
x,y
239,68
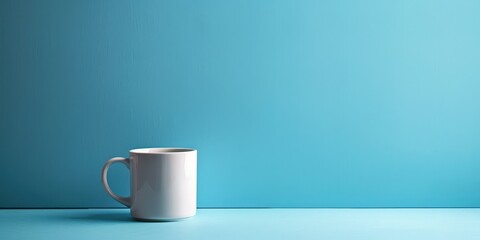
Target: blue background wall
x,y
290,103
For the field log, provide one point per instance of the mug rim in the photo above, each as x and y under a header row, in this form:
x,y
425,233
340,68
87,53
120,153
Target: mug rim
x,y
162,150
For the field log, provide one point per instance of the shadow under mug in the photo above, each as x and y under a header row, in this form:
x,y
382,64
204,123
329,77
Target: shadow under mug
x,y
163,183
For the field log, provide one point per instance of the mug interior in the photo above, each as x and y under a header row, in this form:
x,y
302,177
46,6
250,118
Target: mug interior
x,y
161,150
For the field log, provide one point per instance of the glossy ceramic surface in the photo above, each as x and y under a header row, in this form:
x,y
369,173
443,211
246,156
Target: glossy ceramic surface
x,y
163,183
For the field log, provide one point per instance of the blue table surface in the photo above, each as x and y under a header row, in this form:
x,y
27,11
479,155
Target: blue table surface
x,y
244,224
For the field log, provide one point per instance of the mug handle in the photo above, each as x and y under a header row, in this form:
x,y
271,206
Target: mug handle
x,y
123,200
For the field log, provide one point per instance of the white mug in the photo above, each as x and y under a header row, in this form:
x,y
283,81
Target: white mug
x,y
163,183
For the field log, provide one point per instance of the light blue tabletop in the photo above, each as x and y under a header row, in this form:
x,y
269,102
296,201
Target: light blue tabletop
x,y
246,224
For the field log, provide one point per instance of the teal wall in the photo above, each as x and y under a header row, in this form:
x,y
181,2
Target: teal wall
x,y
290,103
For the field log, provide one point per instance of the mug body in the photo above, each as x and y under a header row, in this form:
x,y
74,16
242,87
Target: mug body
x,y
163,183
